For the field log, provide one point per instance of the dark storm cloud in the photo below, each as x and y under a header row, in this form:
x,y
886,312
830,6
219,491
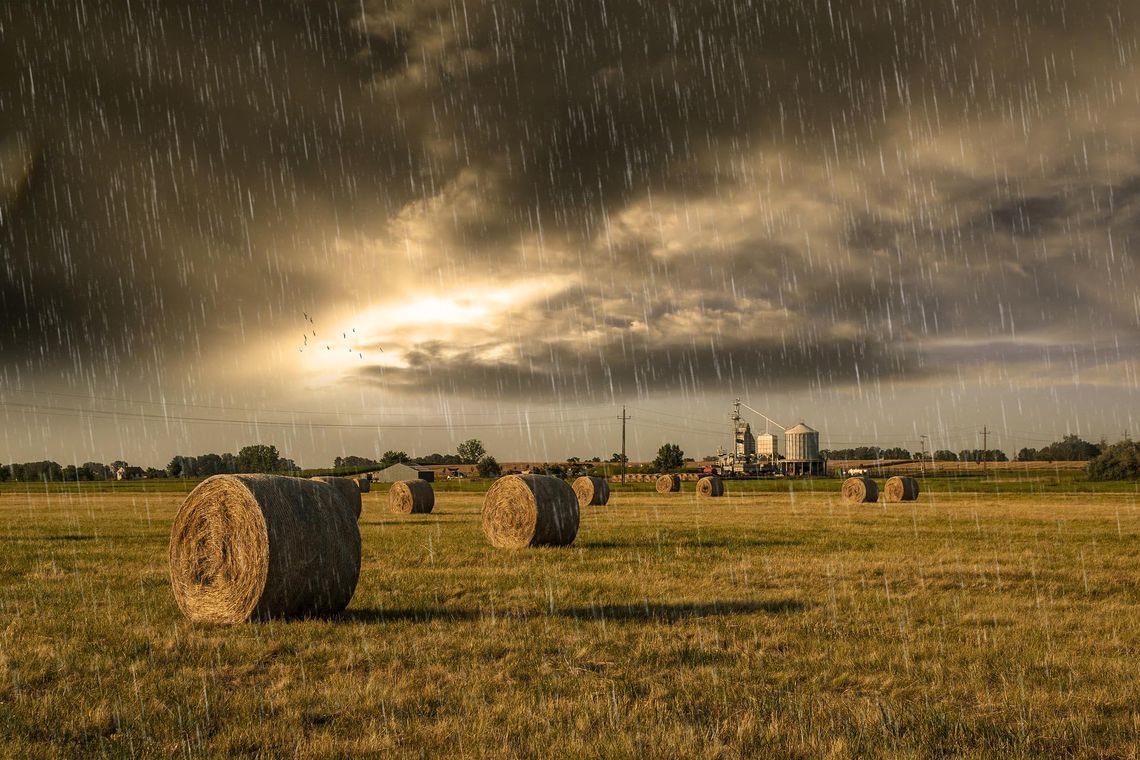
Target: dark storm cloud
x,y
182,175
580,106
183,156
639,370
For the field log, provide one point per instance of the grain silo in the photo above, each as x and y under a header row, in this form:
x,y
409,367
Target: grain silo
x,y
801,451
767,447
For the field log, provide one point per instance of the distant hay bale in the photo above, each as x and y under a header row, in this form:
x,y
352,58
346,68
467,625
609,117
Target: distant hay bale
x,y
364,484
860,490
347,488
668,483
710,485
246,547
411,497
591,491
530,510
901,488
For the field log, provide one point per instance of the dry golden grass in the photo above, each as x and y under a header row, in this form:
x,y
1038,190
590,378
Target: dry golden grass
x,y
753,625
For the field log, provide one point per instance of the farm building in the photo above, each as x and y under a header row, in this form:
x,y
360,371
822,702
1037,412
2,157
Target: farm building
x,y
759,455
801,452
399,471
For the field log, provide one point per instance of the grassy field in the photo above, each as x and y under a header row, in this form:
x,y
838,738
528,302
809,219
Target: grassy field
x,y
766,623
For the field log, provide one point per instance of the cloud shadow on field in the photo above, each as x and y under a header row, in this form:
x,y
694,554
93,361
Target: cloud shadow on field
x,y
639,611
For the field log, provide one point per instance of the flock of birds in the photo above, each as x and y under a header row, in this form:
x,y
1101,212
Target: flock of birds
x,y
311,328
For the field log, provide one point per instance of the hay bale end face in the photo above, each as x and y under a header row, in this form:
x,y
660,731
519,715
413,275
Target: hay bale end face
x,y
246,547
860,490
530,510
591,491
364,484
411,497
901,488
668,484
347,488
710,485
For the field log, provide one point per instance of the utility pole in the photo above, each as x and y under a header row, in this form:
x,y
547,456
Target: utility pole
x,y
624,418
922,439
985,448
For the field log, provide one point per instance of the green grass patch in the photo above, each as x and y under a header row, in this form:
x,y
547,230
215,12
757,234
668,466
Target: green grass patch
x,y
762,624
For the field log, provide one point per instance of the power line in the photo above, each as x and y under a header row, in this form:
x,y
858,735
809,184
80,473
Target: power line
x,y
255,410
144,416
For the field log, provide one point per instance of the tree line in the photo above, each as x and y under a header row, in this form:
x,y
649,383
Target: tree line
x,y
260,458
30,472
471,451
867,452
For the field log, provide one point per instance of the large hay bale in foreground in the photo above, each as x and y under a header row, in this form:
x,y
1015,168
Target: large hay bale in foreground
x,y
530,510
263,546
901,488
411,497
364,484
347,488
668,484
710,485
860,490
591,491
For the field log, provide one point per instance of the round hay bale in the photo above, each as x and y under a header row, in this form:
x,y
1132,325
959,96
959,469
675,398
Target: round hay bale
x,y
591,491
668,483
364,484
901,488
860,490
263,546
347,488
530,510
411,497
710,485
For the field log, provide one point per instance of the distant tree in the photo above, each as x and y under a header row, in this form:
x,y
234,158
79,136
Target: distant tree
x,y
181,467
895,453
1027,455
152,472
70,473
945,455
616,457
979,455
258,458
669,457
470,451
488,467
1071,448
30,472
1120,461
440,459
573,460
596,459
215,464
859,452
96,470
355,461
394,457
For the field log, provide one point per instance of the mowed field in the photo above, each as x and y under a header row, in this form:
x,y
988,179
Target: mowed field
x,y
761,624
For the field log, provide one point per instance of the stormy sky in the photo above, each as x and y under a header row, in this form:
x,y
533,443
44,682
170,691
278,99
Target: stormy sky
x,y
346,227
